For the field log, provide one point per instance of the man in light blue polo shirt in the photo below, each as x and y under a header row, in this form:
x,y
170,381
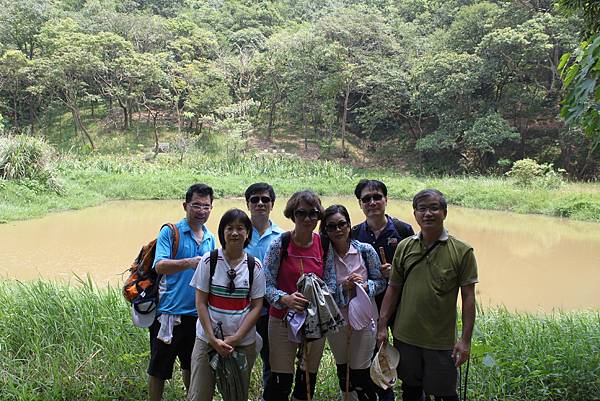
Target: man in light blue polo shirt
x,y
173,333
260,198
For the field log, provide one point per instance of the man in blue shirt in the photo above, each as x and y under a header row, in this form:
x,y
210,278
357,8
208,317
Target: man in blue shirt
x,y
260,198
383,232
172,335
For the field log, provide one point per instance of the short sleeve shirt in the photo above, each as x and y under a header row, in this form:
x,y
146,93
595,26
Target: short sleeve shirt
x,y
176,297
427,314
229,309
260,243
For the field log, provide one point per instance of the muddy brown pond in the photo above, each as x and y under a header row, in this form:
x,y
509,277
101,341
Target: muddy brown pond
x,y
526,262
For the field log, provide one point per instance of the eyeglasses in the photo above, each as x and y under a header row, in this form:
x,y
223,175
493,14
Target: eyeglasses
x,y
200,206
369,198
263,199
302,214
331,227
231,274
431,208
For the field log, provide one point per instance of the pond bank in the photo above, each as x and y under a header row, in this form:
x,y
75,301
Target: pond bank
x,y
88,181
95,353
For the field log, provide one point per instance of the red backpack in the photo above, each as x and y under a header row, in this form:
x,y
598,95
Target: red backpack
x,y
141,287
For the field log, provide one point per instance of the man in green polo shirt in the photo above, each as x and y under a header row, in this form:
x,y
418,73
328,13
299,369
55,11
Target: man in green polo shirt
x,y
427,271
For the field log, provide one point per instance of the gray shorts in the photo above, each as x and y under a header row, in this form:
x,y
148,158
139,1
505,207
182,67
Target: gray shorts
x,y
433,370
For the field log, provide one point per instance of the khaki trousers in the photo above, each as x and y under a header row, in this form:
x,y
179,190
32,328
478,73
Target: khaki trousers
x,y
283,351
202,381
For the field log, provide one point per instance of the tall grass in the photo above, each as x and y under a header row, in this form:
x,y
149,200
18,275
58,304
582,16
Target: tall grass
x,y
78,343
89,179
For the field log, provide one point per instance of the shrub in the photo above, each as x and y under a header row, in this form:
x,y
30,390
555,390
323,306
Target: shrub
x,y
528,173
27,158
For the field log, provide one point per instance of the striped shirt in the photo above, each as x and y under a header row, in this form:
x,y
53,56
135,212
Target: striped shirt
x,y
230,309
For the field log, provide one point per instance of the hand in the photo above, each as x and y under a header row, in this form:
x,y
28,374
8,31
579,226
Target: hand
x,y
386,269
195,261
382,335
461,352
232,340
295,301
350,282
221,347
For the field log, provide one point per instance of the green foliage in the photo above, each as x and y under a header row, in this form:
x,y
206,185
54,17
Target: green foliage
x,y
581,74
90,350
28,159
529,173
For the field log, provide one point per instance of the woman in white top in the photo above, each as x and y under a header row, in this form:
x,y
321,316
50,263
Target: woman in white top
x,y
355,264
228,305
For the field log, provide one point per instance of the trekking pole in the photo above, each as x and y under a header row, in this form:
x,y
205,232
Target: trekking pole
x,y
305,352
466,378
347,389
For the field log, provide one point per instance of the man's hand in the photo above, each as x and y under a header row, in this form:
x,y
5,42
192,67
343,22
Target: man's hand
x,y
295,301
195,261
382,335
386,269
461,352
221,347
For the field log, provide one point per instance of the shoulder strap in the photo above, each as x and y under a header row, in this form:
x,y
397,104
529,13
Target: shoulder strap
x,y
175,233
286,237
354,231
251,264
415,263
398,225
214,256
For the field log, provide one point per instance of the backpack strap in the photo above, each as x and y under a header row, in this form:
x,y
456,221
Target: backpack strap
x,y
214,256
175,234
251,264
354,231
400,227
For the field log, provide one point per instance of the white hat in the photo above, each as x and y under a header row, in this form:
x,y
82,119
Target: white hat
x,y
360,310
143,314
383,369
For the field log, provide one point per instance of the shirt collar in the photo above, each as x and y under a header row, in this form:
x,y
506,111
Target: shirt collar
x,y
443,237
185,227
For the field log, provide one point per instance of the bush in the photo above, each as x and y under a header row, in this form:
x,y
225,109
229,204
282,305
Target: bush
x,y
27,158
528,173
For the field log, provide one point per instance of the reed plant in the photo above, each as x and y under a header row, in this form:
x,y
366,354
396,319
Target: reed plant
x,y
90,179
60,342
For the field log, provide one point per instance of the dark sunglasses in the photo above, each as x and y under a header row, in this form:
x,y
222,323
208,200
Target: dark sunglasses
x,y
231,274
302,214
331,227
368,198
263,199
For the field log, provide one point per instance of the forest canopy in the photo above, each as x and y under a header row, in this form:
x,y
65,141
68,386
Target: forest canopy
x,y
453,86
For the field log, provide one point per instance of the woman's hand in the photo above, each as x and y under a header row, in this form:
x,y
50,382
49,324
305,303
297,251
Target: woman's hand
x,y
295,301
350,282
221,347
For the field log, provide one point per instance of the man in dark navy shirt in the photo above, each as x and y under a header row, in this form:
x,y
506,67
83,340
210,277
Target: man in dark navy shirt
x,y
381,231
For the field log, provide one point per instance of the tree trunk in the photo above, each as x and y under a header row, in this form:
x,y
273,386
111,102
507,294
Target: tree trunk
x,y
79,124
271,118
154,117
344,116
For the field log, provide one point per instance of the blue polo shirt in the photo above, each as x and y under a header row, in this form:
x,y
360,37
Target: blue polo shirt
x,y
176,296
259,244
389,238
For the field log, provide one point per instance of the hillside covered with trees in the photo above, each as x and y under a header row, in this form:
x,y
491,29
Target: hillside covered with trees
x,y
453,86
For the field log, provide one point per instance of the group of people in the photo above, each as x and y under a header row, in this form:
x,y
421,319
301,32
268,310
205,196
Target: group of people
x,y
232,299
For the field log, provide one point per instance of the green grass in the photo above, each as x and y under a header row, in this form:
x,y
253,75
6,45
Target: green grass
x,y
78,343
87,180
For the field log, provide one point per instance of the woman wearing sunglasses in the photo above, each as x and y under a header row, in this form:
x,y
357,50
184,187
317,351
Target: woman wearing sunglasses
x,y
283,268
355,264
228,305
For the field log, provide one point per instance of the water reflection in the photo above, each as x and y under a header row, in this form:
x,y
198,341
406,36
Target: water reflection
x,y
525,262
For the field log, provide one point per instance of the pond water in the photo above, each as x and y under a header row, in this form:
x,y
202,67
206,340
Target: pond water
x,y
526,262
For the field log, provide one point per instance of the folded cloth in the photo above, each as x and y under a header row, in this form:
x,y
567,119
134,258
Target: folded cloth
x,y
167,322
322,314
